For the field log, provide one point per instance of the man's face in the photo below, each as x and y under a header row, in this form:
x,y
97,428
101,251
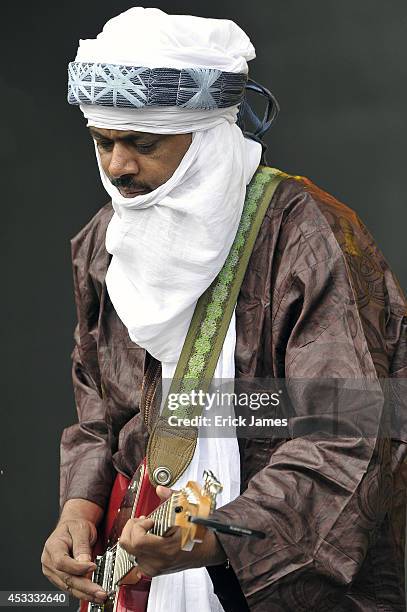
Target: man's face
x,y
139,162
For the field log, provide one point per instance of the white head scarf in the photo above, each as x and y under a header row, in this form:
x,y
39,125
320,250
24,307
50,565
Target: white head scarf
x,y
151,38
168,246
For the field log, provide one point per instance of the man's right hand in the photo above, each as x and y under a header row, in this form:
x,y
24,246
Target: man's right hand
x,y
66,558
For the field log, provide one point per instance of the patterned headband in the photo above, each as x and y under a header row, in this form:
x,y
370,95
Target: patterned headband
x,y
134,87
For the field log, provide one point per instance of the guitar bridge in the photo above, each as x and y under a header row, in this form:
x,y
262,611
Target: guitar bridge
x,y
103,576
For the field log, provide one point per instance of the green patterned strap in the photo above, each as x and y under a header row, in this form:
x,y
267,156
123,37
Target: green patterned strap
x,y
170,449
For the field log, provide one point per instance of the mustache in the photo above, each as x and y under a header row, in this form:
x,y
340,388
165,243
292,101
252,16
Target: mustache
x,y
127,182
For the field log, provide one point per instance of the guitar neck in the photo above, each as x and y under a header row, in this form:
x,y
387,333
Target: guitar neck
x,y
163,516
163,519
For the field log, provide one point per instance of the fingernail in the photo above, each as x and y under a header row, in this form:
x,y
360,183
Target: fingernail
x,y
101,594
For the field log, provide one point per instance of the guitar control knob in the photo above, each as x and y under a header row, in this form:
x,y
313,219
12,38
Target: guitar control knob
x,y
162,476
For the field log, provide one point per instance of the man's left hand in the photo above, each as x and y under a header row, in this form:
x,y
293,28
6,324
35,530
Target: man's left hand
x,y
157,555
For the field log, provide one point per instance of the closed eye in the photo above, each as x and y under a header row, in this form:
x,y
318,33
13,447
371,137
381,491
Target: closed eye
x,y
145,148
104,144
107,145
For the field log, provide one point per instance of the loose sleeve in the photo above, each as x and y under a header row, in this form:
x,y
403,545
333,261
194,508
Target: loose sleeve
x,y
86,448
321,495
86,455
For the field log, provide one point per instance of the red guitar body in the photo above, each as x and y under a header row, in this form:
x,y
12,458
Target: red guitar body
x,y
126,502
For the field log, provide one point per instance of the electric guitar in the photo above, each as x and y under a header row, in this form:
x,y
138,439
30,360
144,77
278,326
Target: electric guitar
x,y
116,570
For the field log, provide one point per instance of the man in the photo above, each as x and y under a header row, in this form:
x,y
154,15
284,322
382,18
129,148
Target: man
x,y
317,302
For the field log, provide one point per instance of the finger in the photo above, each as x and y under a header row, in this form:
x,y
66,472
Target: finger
x,y
56,556
81,591
84,558
145,523
148,544
133,534
63,562
85,588
138,527
173,532
83,536
164,492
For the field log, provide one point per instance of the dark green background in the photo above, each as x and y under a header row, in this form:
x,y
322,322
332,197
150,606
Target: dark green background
x,y
339,72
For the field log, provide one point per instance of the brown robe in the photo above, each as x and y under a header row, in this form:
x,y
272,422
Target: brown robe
x,y
318,300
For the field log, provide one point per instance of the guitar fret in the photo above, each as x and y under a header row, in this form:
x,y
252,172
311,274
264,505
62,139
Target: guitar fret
x,y
161,526
156,517
156,521
153,515
166,516
169,512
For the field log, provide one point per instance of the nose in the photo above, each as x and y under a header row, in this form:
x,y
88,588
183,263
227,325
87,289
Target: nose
x,y
122,161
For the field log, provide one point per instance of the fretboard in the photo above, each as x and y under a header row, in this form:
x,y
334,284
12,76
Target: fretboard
x,y
163,519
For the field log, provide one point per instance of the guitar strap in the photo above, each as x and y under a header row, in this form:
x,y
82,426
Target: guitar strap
x,y
170,449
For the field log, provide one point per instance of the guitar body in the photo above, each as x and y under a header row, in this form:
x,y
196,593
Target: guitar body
x,y
129,499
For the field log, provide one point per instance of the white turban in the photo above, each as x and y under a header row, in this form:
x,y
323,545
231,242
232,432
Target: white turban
x,y
151,38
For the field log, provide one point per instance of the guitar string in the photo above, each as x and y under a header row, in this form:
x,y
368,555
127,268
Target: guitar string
x,y
174,496
121,561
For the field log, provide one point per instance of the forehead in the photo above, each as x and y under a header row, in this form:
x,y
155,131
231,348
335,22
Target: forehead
x,y
118,134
